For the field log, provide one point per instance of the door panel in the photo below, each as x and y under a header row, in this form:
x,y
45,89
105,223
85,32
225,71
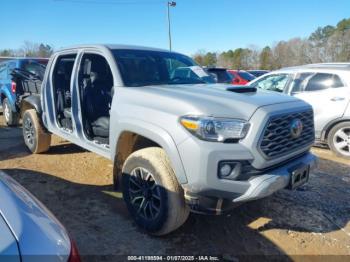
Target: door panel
x,y
327,97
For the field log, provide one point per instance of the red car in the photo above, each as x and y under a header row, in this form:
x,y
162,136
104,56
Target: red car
x,y
241,77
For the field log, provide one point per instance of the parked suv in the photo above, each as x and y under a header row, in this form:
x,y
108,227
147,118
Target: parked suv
x,y
177,143
327,88
11,89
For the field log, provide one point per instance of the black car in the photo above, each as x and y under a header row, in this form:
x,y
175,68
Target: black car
x,y
258,73
221,75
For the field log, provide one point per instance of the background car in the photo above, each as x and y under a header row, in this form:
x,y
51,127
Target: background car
x,y
193,72
327,88
241,77
10,89
30,232
221,75
258,73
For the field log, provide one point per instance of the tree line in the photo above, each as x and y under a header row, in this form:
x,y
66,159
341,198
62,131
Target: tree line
x,y
29,49
326,44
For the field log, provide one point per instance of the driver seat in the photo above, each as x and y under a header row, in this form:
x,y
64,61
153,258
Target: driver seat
x,y
98,99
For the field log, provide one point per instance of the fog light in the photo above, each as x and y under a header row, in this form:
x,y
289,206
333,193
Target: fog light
x,y
229,169
225,170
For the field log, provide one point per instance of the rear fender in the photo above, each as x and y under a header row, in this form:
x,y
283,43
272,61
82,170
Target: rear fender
x,y
31,102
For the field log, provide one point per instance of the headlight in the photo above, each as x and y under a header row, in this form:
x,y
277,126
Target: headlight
x,y
215,129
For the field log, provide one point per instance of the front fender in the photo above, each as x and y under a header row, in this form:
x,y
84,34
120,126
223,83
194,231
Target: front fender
x,y
154,133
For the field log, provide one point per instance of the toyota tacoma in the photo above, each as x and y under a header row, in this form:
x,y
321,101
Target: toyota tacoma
x,y
177,142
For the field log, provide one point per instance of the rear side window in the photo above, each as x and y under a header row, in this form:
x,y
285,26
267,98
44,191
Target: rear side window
x,y
337,82
322,81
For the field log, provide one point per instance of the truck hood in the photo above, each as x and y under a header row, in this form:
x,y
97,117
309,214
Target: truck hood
x,y
211,100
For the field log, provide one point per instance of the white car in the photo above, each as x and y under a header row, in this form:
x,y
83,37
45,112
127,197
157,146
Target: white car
x,y
327,88
28,231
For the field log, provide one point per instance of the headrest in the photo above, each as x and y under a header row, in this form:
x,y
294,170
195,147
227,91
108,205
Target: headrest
x,y
93,77
87,66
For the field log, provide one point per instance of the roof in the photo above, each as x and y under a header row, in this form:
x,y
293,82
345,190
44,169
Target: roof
x,y
22,58
114,46
8,58
215,68
257,70
321,66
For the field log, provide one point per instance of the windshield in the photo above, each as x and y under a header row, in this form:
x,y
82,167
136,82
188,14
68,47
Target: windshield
x,y
144,68
245,75
36,67
275,82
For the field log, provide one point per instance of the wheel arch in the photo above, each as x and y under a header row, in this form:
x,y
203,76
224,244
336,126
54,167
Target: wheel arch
x,y
2,97
330,125
134,137
31,102
5,93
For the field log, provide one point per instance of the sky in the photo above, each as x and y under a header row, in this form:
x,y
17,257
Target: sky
x,y
210,25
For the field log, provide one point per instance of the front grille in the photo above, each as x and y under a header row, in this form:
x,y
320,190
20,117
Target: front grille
x,y
277,139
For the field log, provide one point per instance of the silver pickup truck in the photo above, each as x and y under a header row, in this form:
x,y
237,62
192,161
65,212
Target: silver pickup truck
x,y
177,142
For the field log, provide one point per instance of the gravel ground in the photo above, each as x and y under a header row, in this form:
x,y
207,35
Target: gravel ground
x,y
76,186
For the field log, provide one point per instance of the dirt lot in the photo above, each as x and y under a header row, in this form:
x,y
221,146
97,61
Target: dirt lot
x,y
76,186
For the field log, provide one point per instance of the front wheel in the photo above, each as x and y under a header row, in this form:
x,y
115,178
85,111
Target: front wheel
x,y
151,192
339,139
35,136
11,118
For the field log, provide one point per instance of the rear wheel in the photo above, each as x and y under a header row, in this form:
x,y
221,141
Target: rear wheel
x,y
35,137
151,192
339,139
11,118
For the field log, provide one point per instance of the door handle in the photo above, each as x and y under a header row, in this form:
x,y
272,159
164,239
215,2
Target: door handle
x,y
335,99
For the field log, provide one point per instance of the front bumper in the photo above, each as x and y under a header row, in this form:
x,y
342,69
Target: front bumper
x,y
205,192
274,180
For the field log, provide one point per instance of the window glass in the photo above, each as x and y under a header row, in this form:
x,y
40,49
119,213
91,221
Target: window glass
x,y
272,82
245,75
143,68
35,68
300,81
337,82
321,81
11,66
222,76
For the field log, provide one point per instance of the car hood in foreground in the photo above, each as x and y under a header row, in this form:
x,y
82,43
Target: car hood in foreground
x,y
8,243
38,233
